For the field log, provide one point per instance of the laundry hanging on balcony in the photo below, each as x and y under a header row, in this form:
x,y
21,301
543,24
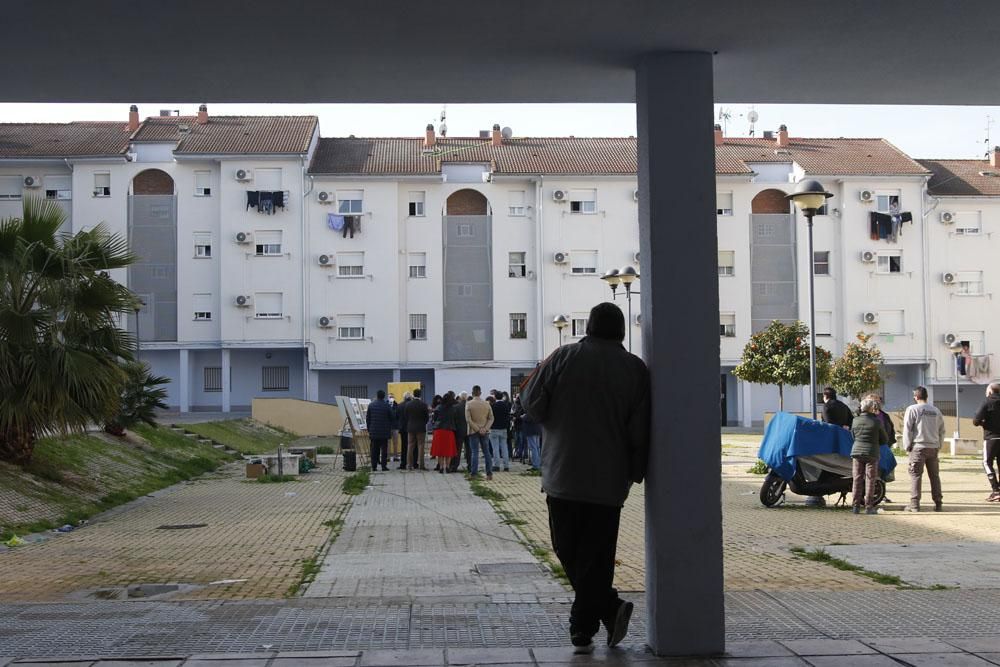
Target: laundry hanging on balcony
x,y
343,223
887,227
265,201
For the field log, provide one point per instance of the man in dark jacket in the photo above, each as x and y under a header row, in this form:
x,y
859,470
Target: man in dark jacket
x,y
592,400
834,410
379,419
988,416
401,425
498,431
417,414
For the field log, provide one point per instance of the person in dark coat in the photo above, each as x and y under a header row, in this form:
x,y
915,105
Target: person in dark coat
x,y
835,411
443,440
417,414
401,425
869,435
461,434
379,419
498,431
988,416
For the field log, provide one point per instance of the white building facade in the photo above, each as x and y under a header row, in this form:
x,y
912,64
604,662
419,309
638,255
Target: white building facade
x,y
278,263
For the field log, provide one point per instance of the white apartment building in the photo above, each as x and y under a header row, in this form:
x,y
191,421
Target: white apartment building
x,y
464,250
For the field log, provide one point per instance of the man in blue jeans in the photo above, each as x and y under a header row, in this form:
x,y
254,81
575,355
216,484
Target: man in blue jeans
x,y
498,432
479,417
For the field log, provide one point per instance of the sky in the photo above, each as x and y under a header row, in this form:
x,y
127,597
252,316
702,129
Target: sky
x,y
920,131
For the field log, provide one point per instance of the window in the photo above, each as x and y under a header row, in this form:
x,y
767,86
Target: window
x,y
821,263
723,203
418,326
976,339
727,262
10,187
354,390
415,208
202,184
203,244
465,290
350,202
515,203
890,322
102,184
350,264
823,210
518,325
213,378
824,322
887,202
516,267
58,187
267,243
889,261
968,223
583,201
268,305
418,264
578,327
202,305
274,378
350,327
267,179
969,283
463,231
727,325
583,261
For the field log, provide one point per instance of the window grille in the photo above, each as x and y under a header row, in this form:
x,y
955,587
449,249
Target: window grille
x,y
274,378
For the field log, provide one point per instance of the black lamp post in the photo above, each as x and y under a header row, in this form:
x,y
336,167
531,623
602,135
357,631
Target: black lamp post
x,y
808,197
560,322
956,350
138,306
623,276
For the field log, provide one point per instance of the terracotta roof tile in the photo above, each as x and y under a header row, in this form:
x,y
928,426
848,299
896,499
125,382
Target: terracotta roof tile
x,y
867,157
962,178
40,140
232,135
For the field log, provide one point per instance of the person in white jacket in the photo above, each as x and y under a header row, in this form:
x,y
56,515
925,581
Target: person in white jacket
x,y
923,433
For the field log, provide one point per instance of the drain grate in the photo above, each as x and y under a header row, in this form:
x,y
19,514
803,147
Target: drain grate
x,y
508,568
181,526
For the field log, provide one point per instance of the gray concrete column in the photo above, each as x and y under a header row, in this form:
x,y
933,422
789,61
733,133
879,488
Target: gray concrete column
x,y
184,380
226,384
680,335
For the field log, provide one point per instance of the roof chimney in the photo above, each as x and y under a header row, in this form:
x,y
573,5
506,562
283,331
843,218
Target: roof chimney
x,y
995,157
718,135
203,114
497,138
783,135
429,138
133,118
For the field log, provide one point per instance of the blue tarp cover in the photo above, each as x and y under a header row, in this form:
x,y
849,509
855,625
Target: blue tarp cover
x,y
788,436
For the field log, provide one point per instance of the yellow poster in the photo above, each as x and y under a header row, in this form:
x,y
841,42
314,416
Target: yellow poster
x,y
397,389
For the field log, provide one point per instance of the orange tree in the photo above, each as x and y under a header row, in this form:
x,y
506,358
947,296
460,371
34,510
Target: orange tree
x,y
779,355
857,372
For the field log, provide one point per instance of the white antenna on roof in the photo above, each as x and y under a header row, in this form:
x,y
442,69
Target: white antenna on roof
x,y
752,117
724,116
989,145
443,127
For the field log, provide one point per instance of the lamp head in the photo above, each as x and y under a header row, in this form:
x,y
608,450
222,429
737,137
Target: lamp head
x,y
560,322
628,274
809,196
955,347
611,277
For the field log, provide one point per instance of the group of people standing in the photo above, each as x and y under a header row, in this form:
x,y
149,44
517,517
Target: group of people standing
x,y
467,422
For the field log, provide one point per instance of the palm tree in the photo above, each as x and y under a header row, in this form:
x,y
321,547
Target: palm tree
x,y
142,395
61,348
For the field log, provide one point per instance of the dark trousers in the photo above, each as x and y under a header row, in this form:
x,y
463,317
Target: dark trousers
x,y
585,538
380,452
404,443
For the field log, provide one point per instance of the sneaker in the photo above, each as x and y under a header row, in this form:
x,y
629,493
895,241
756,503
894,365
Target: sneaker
x,y
582,644
856,509
937,506
911,508
993,497
385,469
871,510
489,478
617,633
508,470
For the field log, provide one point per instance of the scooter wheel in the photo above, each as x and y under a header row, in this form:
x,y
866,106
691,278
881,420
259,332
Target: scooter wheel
x,y
879,491
773,489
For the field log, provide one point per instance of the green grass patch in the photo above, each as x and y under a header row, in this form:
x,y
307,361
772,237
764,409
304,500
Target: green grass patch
x,y
758,468
244,435
325,449
822,556
356,483
483,491
277,479
310,568
531,473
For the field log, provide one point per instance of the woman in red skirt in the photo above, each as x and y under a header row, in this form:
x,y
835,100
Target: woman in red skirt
x,y
443,441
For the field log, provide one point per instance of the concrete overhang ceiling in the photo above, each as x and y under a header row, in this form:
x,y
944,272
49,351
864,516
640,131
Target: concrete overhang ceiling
x,y
854,51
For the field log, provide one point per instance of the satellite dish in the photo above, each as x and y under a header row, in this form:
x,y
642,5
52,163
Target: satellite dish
x,y
752,116
506,133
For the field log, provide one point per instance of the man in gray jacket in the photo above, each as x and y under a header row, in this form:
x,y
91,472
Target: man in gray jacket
x,y
592,400
923,433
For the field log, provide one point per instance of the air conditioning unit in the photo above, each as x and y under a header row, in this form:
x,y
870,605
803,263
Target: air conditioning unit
x,y
947,217
560,257
867,196
244,237
868,256
244,175
243,301
325,322
870,318
635,195
324,198
635,257
949,338
325,260
948,278
638,319
559,195
32,182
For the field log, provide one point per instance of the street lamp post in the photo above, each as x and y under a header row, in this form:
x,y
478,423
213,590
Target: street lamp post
x,y
623,276
956,349
560,322
808,197
138,306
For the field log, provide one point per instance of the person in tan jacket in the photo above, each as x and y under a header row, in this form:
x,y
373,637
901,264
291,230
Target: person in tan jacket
x,y
479,416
